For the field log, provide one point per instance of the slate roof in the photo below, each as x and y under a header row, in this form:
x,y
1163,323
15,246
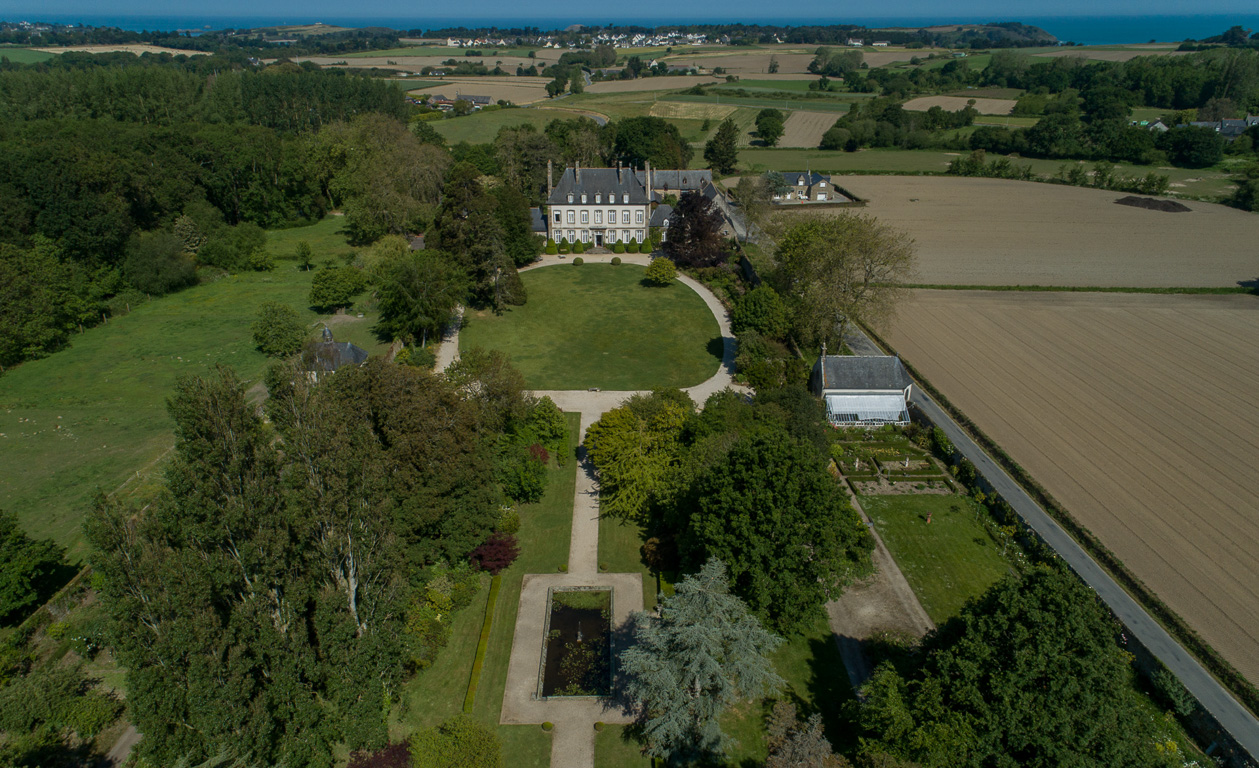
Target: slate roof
x,y
677,181
810,178
660,215
605,181
864,373
328,355
537,221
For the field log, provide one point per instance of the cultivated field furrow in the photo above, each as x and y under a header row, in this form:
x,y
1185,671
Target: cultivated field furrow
x,y
1000,232
1139,413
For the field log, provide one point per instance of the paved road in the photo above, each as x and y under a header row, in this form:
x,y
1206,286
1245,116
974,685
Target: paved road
x,y
1234,717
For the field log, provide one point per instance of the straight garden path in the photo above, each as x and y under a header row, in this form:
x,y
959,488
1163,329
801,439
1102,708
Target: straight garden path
x,y
574,718
1238,721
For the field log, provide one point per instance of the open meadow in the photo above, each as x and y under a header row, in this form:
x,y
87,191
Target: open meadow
x,y
974,231
518,90
954,103
93,416
24,55
1137,412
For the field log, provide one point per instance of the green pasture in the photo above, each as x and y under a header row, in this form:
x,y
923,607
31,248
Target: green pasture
x,y
482,127
810,105
93,416
597,325
24,55
947,561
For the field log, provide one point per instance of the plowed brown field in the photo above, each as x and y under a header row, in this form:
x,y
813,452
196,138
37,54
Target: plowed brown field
x,y
999,232
805,129
1139,413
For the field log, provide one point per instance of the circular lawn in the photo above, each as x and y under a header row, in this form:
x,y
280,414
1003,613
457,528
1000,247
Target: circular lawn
x,y
598,325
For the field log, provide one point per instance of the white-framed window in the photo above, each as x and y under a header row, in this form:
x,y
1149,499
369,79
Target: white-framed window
x,y
611,217
598,197
638,217
821,183
625,198
585,235
569,238
611,235
557,217
570,197
585,217
799,183
639,236
625,217
583,198
598,217
572,217
625,235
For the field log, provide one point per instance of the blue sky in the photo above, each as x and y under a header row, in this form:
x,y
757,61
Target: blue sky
x,y
732,10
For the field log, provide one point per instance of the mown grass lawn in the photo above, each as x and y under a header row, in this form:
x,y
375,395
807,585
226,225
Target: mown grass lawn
x,y
597,325
93,416
946,562
437,693
326,238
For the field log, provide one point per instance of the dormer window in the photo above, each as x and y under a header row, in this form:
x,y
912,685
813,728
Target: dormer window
x,y
583,198
625,198
570,197
598,197
800,182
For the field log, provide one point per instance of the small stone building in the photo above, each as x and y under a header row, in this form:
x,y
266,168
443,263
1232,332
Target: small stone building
x,y
862,391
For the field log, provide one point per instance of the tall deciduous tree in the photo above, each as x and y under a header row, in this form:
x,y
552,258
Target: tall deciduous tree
x,y
27,568
722,150
703,653
633,447
694,238
780,522
1030,674
769,126
841,269
278,330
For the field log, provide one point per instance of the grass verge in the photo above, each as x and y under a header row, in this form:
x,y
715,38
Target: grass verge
x,y
946,562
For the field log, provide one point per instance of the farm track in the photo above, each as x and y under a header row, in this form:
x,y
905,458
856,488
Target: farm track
x,y
1138,413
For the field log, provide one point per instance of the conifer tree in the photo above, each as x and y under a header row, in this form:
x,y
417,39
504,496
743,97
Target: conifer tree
x,y
703,653
722,150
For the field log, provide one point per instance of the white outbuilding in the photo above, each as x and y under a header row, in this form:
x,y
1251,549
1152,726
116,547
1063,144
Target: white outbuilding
x,y
862,391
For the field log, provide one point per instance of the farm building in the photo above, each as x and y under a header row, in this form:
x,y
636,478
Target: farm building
x,y
327,355
808,186
862,391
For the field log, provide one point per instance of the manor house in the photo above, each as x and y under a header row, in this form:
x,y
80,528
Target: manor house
x,y
602,206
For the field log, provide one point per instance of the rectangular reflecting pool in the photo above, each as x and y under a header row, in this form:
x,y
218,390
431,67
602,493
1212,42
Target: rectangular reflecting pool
x,y
576,652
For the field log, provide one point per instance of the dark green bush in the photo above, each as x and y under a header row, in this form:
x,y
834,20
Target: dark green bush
x,y
616,261
577,262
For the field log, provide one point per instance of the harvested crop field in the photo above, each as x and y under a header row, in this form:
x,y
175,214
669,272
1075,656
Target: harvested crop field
x,y
519,90
1000,232
403,63
685,110
745,64
650,84
1137,412
954,103
805,129
137,49
1093,55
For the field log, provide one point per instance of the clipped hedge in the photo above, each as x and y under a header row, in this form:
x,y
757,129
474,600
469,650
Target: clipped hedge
x,y
618,247
1216,664
475,679
577,262
551,248
616,261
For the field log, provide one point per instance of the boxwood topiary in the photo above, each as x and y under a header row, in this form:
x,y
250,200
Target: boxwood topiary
x,y
616,260
577,262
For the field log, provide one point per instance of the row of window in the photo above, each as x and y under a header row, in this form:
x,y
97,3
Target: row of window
x,y
571,217
610,236
599,198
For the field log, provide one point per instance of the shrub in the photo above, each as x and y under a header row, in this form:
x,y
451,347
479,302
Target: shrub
x,y
156,263
551,248
563,568
599,725
508,521
661,272
618,247
335,287
417,357
548,725
632,246
616,261
762,310
460,741
562,246
498,552
577,262
579,246
522,475
278,330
